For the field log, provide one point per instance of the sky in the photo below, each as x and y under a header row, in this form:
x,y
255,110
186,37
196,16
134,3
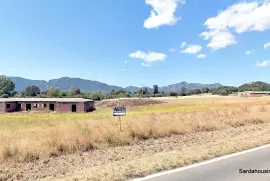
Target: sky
x,y
137,42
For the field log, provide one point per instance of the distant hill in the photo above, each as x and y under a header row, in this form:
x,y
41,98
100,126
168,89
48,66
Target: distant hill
x,y
21,83
177,87
65,83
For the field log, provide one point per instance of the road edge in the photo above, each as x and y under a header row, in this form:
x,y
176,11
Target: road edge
x,y
200,163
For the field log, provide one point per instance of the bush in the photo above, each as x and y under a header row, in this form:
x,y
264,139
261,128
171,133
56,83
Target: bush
x,y
96,96
4,96
74,91
53,92
31,91
63,94
172,93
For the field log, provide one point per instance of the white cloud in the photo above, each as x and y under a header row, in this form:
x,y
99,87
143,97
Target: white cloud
x,y
145,64
138,54
153,57
241,17
126,61
249,52
148,58
263,64
123,70
266,45
162,13
201,56
172,49
219,39
192,49
183,44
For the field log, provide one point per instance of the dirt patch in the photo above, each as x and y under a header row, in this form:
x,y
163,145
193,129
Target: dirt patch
x,y
128,102
140,158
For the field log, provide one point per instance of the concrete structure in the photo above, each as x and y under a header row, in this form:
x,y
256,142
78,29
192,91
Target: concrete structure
x,y
46,104
254,93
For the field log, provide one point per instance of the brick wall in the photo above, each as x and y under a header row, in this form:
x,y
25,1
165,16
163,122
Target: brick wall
x,y
2,107
80,107
64,107
89,106
12,106
67,107
39,106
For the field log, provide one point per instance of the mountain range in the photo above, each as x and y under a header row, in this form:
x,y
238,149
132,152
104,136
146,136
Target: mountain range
x,y
65,83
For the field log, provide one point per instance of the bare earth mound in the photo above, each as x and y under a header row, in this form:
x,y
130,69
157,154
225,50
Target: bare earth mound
x,y
128,102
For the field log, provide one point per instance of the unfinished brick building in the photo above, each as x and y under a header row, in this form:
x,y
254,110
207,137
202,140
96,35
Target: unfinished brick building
x,y
46,104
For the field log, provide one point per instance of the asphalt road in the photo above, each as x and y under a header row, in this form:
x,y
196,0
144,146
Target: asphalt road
x,y
223,170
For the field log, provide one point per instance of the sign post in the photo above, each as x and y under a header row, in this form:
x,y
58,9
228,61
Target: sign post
x,y
119,111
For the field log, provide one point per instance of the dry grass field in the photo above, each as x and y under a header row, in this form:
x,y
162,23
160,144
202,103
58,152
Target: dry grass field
x,y
167,129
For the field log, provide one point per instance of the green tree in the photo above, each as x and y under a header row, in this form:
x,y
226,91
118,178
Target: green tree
x,y
255,86
31,90
204,90
143,90
62,94
225,90
195,91
53,92
127,94
222,92
155,87
96,96
73,91
183,92
6,86
172,93
19,94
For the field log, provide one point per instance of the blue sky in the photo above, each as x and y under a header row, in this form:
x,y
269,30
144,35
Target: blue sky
x,y
119,42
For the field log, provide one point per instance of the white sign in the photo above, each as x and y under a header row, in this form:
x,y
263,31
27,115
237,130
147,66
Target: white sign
x,y
119,111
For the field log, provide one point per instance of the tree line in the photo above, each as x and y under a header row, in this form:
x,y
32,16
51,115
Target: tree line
x,y
7,89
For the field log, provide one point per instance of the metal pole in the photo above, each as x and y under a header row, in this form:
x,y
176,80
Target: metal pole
x,y
120,123
119,117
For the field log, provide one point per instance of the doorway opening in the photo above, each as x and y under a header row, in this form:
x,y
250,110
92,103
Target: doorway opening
x,y
74,108
52,107
28,107
19,107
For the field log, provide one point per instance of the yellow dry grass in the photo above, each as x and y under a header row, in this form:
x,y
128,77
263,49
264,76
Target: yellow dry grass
x,y
30,136
217,144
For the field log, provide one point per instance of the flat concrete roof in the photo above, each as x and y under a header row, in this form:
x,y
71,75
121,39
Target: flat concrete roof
x,y
44,100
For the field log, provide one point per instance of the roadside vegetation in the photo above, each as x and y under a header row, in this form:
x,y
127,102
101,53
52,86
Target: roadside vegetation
x,y
7,88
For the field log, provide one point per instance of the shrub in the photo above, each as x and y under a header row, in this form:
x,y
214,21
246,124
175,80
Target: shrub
x,y
31,91
4,96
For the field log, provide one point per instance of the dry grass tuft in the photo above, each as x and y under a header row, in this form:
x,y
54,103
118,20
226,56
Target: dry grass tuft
x,y
263,108
246,108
